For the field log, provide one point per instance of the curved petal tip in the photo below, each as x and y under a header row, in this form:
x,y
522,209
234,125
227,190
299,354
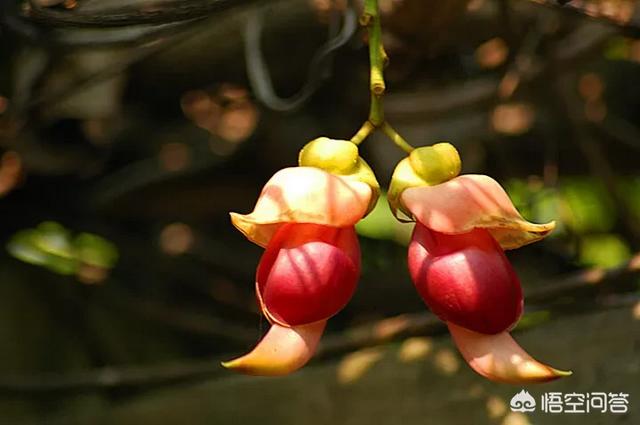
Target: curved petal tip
x,y
499,358
282,351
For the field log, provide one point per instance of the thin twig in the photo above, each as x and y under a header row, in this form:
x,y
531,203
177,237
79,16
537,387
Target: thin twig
x,y
195,323
110,377
142,53
95,39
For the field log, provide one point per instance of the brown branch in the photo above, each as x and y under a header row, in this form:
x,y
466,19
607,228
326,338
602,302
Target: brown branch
x,y
381,332
584,279
110,377
194,323
158,12
141,53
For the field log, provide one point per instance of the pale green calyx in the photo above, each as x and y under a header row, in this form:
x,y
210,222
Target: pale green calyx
x,y
334,156
339,157
425,166
436,164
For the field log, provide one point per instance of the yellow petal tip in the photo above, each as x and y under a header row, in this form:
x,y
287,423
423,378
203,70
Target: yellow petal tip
x,y
282,351
561,373
228,364
236,220
499,358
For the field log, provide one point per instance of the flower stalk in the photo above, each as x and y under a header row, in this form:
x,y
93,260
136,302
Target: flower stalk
x,y
378,59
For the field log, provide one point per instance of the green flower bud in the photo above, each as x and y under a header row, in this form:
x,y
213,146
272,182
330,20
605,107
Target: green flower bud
x,y
425,166
339,157
334,156
436,164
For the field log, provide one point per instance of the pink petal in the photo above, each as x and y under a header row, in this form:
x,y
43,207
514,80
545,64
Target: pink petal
x,y
304,195
499,358
282,351
471,201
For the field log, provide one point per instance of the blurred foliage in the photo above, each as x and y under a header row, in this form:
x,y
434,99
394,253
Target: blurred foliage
x,y
583,208
605,250
52,246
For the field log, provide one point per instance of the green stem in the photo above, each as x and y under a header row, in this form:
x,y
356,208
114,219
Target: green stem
x,y
377,57
366,129
397,139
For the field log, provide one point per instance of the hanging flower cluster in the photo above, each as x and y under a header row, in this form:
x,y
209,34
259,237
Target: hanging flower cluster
x,y
305,219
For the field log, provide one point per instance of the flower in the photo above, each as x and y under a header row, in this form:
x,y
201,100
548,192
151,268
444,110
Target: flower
x,y
305,219
456,259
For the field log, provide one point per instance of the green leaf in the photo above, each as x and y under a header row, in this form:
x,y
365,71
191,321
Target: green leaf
x,y
50,245
95,250
605,250
590,207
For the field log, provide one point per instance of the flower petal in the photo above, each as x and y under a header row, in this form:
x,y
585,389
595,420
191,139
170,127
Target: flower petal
x,y
304,195
499,358
471,201
282,351
308,273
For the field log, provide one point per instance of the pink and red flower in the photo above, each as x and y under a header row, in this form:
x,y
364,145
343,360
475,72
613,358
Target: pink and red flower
x,y
305,218
457,263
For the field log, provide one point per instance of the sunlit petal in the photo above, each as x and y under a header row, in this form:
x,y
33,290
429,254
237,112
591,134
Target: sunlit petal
x,y
472,201
282,351
304,195
499,358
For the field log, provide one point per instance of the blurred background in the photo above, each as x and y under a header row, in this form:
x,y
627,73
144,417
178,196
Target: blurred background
x,y
130,128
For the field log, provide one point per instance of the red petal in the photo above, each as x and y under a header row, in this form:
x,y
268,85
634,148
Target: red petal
x,y
465,279
308,273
